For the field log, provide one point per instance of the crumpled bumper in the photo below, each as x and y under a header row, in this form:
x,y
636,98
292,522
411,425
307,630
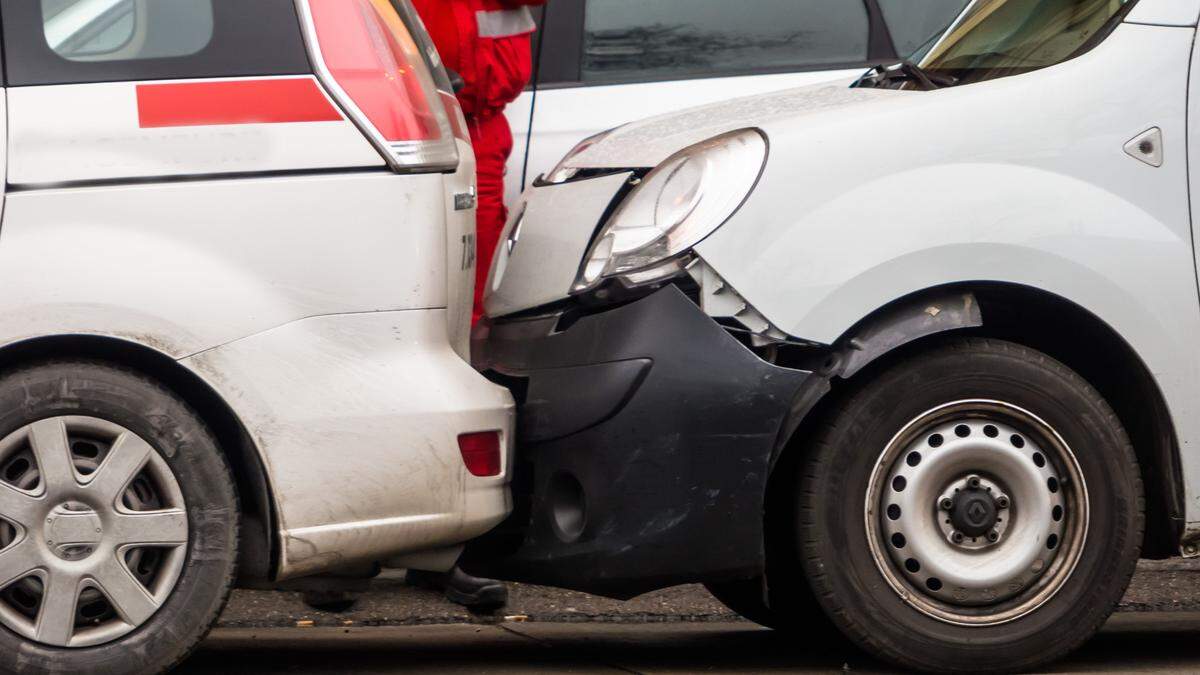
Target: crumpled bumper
x,y
645,439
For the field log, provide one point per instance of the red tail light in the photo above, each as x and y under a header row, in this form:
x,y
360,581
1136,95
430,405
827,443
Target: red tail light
x,y
481,452
370,55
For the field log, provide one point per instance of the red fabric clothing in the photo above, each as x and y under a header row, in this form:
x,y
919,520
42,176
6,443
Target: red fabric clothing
x,y
488,43
493,144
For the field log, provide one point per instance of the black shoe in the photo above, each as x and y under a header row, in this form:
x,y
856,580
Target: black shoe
x,y
330,601
475,592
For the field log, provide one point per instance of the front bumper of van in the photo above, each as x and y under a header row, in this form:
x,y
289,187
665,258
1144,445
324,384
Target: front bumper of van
x,y
646,435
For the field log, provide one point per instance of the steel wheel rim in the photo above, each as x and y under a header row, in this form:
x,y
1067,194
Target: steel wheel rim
x,y
96,532
974,445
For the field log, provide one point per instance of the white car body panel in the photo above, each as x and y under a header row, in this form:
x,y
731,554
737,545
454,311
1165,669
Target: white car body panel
x,y
1128,202
460,251
1165,12
646,143
357,418
987,196
561,117
229,258
53,143
329,337
518,114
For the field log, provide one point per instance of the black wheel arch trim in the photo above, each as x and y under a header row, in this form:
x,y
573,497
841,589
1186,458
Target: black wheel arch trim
x,y
901,323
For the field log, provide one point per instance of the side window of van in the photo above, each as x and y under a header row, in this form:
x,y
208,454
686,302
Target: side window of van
x,y
77,41
629,40
117,30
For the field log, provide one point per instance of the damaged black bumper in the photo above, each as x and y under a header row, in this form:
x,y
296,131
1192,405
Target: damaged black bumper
x,y
645,439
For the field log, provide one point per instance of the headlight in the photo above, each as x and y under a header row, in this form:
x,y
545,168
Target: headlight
x,y
561,173
677,205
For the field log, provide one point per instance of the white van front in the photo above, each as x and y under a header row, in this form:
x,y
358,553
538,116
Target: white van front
x,y
928,339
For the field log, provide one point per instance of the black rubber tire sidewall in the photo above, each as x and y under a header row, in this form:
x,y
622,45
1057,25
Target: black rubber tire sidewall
x,y
136,403
834,480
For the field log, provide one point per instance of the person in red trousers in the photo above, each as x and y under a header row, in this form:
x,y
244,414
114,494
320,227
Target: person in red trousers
x,y
488,44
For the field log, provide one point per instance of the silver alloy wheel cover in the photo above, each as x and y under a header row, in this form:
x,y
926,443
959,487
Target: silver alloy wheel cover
x,y
94,500
1047,580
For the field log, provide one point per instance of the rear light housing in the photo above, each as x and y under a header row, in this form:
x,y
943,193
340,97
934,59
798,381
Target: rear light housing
x,y
378,63
481,453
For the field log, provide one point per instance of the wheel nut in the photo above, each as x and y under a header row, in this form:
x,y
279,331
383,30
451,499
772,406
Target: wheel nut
x,y
1002,501
973,481
993,536
946,503
957,537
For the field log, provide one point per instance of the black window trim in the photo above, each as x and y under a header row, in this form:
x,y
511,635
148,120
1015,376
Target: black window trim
x,y
563,36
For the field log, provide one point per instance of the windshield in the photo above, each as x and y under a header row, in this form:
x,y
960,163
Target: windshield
x,y
998,38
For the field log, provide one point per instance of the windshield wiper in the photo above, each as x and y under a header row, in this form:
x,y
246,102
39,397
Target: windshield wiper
x,y
906,71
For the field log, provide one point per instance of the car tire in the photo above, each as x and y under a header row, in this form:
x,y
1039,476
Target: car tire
x,y
142,502
894,496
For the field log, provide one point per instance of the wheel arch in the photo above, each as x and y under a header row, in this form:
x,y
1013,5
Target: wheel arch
x,y
1033,318
258,547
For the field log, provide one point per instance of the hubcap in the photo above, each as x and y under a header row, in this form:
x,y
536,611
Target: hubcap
x,y
93,531
976,512
73,531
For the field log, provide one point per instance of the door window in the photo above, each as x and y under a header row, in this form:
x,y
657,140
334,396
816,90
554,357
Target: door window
x,y
647,40
74,41
115,30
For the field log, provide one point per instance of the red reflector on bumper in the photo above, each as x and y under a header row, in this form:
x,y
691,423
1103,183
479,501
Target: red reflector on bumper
x,y
481,452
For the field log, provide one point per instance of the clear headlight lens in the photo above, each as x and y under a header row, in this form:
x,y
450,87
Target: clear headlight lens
x,y
677,205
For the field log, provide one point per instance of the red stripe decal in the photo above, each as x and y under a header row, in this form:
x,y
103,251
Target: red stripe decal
x,y
192,104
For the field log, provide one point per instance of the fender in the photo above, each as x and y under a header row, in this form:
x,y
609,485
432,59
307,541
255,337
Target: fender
x,y
900,324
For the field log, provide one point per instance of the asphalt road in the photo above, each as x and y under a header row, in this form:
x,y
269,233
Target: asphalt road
x,y
1138,642
395,629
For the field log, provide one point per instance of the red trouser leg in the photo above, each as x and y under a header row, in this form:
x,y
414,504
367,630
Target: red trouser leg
x,y
493,144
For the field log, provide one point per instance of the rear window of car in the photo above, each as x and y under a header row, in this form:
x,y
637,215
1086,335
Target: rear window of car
x,y
628,40
76,41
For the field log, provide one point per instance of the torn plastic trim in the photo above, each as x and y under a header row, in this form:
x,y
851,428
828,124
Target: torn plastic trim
x,y
564,171
900,324
720,300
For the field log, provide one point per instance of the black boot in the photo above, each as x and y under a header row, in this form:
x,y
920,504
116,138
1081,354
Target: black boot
x,y
462,588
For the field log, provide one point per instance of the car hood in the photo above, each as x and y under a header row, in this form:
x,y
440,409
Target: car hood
x,y
646,143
